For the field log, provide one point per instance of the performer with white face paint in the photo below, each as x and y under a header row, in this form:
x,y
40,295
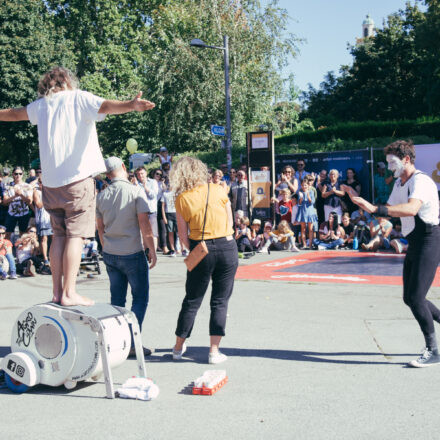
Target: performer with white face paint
x,y
415,200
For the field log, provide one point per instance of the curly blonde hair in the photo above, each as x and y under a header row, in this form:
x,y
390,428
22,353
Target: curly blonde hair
x,y
186,174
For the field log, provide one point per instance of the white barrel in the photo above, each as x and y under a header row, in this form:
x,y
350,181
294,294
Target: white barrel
x,y
67,350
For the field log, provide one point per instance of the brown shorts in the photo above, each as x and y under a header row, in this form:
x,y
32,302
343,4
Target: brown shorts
x,y
72,208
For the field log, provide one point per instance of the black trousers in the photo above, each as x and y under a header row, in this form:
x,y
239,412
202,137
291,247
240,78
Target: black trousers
x,y
219,265
419,268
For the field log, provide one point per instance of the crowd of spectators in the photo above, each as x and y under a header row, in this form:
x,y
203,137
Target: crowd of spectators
x,y
311,211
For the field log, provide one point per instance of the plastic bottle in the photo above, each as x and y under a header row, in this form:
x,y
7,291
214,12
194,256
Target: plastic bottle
x,y
355,243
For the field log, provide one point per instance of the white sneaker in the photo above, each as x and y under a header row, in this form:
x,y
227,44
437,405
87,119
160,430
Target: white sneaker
x,y
321,247
294,249
262,251
177,355
217,358
427,359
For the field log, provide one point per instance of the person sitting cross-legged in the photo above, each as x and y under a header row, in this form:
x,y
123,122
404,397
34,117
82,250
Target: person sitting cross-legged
x,y
330,234
6,252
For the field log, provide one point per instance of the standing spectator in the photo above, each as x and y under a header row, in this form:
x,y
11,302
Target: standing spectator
x,y
352,182
151,189
226,176
42,221
32,176
232,177
6,251
239,194
383,183
285,205
301,170
166,167
163,156
332,195
125,233
6,179
196,202
287,180
306,213
3,209
217,178
320,181
169,216
69,154
18,198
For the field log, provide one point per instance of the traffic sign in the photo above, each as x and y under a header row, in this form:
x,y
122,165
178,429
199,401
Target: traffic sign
x,y
218,130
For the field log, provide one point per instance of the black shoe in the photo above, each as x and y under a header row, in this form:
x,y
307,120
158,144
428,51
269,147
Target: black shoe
x,y
132,354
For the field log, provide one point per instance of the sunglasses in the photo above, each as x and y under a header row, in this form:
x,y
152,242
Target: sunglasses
x,y
18,174
2,233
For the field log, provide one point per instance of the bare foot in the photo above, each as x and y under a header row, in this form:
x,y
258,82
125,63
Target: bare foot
x,y
56,298
76,300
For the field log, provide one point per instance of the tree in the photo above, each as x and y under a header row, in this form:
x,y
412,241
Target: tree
x,y
29,45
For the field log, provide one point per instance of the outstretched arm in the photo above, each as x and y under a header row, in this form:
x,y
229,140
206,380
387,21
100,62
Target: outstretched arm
x,y
14,114
110,107
409,209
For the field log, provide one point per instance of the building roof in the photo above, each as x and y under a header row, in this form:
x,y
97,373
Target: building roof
x,y
368,20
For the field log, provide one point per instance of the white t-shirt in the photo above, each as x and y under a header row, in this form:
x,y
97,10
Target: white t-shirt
x,y
420,187
69,149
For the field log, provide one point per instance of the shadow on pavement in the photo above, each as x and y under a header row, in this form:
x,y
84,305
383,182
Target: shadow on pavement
x,y
200,354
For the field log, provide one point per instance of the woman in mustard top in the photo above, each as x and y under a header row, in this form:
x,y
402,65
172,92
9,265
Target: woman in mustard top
x,y
188,179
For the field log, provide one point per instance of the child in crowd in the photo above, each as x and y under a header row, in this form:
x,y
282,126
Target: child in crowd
x,y
285,204
281,239
6,253
348,230
28,250
306,213
257,239
243,236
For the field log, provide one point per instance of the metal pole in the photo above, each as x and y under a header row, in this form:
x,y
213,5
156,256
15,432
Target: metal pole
x,y
228,103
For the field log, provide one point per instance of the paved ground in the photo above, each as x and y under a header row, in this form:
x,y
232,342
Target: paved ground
x,y
306,361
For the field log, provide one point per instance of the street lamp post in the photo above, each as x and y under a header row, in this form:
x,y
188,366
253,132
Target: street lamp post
x,y
199,43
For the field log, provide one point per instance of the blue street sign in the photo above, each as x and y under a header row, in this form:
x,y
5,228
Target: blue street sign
x,y
217,130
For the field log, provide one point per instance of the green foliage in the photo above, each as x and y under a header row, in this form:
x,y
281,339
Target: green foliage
x,y
29,45
394,74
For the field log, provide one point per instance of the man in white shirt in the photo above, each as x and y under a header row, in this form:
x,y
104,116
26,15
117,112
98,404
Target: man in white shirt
x,y
70,156
415,200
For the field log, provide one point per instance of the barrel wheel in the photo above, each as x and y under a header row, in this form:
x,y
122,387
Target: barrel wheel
x,y
14,385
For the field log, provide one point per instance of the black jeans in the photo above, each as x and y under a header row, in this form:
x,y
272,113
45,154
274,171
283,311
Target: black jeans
x,y
419,268
219,265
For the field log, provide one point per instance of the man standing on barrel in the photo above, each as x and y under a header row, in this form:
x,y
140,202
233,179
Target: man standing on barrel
x,y
415,200
70,156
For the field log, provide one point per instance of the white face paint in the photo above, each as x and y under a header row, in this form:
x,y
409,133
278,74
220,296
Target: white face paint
x,y
395,165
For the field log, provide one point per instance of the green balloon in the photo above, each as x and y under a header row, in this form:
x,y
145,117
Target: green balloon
x,y
132,145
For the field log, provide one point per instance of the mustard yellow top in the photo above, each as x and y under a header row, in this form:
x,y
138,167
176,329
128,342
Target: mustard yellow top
x,y
191,206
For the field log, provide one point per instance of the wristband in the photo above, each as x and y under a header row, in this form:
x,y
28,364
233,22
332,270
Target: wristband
x,y
382,211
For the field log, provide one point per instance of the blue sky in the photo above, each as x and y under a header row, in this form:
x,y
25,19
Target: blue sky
x,y
327,26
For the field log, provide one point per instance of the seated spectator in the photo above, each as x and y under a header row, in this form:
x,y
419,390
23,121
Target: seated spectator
x,y
238,215
6,252
267,232
90,248
400,245
348,228
243,236
28,253
281,239
361,217
330,234
380,230
256,238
